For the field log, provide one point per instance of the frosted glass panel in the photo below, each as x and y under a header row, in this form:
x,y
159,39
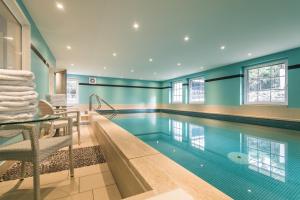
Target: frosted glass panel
x,y
10,40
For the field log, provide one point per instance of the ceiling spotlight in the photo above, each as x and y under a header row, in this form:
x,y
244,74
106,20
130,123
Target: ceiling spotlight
x,y
222,47
114,54
69,47
150,60
60,6
72,64
178,64
249,54
136,26
8,38
104,68
132,70
186,38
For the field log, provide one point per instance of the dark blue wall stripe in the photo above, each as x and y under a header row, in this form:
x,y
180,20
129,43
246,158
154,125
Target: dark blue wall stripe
x,y
294,67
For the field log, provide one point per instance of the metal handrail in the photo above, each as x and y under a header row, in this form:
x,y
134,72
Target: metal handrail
x,y
99,100
91,101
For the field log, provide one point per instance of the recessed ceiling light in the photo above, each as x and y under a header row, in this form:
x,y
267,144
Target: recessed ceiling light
x,y
186,38
8,38
72,64
136,26
60,6
114,54
132,70
104,68
249,54
178,64
69,47
222,47
150,60
154,73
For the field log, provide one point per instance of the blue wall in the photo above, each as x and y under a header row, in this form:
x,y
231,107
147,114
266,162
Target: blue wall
x,y
229,92
40,70
119,95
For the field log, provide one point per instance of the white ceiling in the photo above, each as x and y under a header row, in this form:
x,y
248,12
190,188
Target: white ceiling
x,y
97,28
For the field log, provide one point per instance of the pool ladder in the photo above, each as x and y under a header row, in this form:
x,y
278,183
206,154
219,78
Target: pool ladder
x,y
99,105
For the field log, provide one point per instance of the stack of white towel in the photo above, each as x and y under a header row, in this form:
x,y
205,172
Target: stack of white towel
x,y
18,100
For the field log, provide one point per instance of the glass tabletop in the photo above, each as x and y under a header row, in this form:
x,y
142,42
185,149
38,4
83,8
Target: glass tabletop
x,y
36,118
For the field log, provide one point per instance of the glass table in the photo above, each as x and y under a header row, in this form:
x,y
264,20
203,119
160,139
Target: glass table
x,y
35,119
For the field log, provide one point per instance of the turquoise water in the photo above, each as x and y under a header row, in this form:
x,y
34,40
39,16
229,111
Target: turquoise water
x,y
243,161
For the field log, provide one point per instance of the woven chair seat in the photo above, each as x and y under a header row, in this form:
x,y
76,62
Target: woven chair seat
x,y
22,150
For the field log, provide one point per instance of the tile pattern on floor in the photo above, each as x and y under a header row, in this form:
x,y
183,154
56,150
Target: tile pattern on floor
x,y
89,183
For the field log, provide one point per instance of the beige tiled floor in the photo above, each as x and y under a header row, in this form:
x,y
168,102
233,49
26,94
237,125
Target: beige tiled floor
x,y
90,183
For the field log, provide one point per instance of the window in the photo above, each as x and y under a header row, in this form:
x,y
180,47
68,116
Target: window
x,y
177,92
266,84
177,130
196,90
197,138
267,157
72,91
10,39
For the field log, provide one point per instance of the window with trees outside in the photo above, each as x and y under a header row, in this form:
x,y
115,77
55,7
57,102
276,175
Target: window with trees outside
x,y
177,92
266,84
196,90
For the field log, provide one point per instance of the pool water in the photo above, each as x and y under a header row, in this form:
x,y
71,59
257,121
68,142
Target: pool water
x,y
243,161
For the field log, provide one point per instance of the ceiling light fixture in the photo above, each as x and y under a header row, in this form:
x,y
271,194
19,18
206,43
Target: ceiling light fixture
x,y
132,70
72,64
60,6
104,68
114,54
154,73
8,38
178,64
69,47
186,38
222,47
150,60
249,54
136,26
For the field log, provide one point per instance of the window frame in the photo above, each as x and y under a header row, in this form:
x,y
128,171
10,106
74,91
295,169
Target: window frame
x,y
189,91
173,88
246,83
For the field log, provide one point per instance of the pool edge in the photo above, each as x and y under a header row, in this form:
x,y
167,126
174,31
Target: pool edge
x,y
143,163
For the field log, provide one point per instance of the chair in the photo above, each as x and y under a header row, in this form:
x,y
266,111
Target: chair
x,y
47,109
35,150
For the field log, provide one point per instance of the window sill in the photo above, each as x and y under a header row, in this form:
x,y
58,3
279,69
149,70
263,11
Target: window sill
x,y
196,103
265,105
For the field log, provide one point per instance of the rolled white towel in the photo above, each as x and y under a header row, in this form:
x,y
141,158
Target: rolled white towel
x,y
9,88
23,109
4,77
14,103
20,73
9,117
18,83
29,98
18,94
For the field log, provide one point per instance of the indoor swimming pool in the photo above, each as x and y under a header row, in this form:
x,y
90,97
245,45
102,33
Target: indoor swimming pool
x,y
243,161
